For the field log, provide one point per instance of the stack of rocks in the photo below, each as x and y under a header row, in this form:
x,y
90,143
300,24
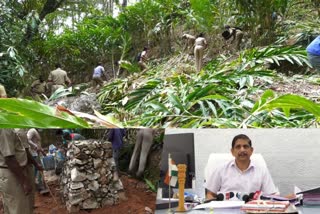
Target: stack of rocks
x,y
89,179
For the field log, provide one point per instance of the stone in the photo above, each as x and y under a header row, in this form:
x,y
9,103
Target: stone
x,y
81,156
72,208
81,144
97,153
108,154
110,162
93,176
94,185
80,194
104,180
118,185
106,145
75,149
103,171
107,202
87,178
97,163
90,203
76,161
76,175
76,185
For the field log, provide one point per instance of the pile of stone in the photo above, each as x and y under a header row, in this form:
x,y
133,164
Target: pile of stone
x,y
89,179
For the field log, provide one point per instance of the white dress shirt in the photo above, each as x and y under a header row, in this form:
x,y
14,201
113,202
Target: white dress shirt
x,y
229,178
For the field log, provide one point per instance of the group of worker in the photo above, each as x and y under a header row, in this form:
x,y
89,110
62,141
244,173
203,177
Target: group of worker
x,y
199,44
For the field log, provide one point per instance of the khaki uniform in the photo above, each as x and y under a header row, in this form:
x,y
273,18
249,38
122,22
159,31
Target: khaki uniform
x,y
58,77
38,87
238,37
3,93
199,47
14,199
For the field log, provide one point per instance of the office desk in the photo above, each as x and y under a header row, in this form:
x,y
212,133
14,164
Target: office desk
x,y
302,210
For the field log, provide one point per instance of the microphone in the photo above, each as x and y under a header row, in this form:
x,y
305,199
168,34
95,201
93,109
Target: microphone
x,y
225,196
243,196
251,196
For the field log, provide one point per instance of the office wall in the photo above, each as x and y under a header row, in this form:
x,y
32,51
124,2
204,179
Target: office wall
x,y
292,155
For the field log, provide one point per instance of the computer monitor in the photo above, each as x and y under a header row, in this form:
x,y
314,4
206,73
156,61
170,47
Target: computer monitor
x,y
181,148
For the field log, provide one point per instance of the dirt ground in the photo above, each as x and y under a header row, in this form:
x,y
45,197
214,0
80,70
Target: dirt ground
x,y
139,197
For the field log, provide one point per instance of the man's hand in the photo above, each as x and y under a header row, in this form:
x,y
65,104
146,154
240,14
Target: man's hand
x,y
27,188
39,167
43,153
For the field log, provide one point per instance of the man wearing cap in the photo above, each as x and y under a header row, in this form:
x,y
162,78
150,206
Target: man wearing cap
x,y
16,180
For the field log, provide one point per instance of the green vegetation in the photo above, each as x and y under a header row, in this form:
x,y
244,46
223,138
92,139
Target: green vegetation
x,y
232,90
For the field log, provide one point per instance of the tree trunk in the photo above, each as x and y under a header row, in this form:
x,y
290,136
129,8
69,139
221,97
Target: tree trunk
x,y
124,4
49,7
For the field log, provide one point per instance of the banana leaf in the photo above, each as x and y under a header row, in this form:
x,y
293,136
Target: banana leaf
x,y
22,113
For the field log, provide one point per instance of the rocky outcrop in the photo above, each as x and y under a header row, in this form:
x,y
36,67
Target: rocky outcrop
x,y
88,179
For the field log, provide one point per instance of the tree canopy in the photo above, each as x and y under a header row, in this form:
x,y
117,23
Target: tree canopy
x,y
34,35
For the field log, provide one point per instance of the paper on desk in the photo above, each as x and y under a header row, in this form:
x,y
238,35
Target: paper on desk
x,y
296,189
220,204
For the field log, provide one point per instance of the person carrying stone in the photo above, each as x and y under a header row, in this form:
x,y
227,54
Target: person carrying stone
x,y
236,33
3,93
58,78
16,177
98,72
38,87
142,59
200,45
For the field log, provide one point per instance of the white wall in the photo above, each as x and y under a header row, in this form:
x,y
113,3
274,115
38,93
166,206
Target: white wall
x,y
292,155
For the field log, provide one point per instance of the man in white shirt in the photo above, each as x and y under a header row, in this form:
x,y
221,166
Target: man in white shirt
x,y
143,59
98,72
240,174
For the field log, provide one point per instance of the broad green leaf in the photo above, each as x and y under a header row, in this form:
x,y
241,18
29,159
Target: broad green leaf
x,y
286,111
293,102
213,108
266,95
159,107
175,101
38,115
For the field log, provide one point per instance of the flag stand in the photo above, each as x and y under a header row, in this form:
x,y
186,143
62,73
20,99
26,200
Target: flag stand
x,y
169,168
182,180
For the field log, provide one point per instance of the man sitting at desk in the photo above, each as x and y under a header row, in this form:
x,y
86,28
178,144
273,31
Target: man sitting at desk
x,y
240,174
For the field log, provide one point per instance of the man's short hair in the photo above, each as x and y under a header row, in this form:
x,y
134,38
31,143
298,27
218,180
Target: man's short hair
x,y
226,35
240,136
58,65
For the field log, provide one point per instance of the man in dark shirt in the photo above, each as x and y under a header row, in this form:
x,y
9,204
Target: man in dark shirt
x,y
116,138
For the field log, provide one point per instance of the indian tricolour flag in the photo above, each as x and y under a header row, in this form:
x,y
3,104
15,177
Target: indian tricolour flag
x,y
172,173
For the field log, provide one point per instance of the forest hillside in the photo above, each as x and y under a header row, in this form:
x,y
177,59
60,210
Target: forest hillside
x,y
267,83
